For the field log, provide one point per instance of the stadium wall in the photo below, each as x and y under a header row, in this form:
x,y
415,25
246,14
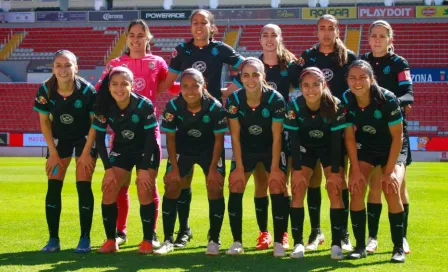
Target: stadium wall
x,y
17,69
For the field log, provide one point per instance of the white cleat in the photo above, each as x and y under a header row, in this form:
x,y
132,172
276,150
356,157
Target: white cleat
x,y
279,251
336,253
346,245
235,249
165,248
372,245
314,242
406,247
212,249
298,252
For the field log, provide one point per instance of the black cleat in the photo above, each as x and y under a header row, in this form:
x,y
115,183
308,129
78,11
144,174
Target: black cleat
x,y
398,255
356,254
183,238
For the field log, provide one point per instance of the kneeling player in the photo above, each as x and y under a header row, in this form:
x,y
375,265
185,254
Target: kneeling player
x,y
131,117
195,124
256,114
377,140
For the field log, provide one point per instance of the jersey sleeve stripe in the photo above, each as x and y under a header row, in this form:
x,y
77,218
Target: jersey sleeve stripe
x,y
98,128
277,119
349,124
220,130
272,97
85,89
45,88
406,82
236,97
150,125
41,111
140,104
213,106
238,63
396,122
174,106
237,83
290,127
167,129
295,105
91,112
173,70
339,127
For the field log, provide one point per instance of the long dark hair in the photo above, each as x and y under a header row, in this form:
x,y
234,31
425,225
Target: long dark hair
x,y
328,103
339,46
52,82
145,28
199,77
210,18
285,57
376,94
104,98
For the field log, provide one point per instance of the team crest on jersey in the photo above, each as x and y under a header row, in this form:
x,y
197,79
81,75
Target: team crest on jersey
x,y
41,100
377,114
100,118
369,129
66,119
272,85
233,109
215,51
78,104
206,119
255,130
135,118
291,115
174,54
139,84
169,117
200,66
152,65
386,70
328,74
265,113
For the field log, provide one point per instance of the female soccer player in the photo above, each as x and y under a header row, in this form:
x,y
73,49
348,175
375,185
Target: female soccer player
x,y
256,113
208,56
195,124
332,57
282,74
392,73
376,114
66,103
315,121
132,118
149,76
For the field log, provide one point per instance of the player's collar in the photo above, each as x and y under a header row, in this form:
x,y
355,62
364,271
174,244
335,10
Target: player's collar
x,y
205,103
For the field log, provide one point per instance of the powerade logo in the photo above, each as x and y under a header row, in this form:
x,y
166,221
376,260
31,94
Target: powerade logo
x,y
108,16
173,15
429,12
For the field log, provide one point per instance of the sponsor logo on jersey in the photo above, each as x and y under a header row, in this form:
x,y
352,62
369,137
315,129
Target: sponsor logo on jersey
x,y
195,133
328,74
291,115
139,84
377,114
255,130
169,117
41,100
152,65
152,115
127,134
222,121
200,66
395,112
66,119
358,146
135,118
272,85
369,129
302,149
316,134
386,70
78,104
340,117
206,119
215,51
100,118
265,113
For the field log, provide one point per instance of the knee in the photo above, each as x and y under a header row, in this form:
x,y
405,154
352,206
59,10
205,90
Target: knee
x,y
214,191
237,187
172,190
261,190
315,181
334,195
144,195
275,189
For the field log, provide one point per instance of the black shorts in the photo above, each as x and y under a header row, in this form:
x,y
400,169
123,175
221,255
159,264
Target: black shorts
x,y
250,162
65,148
186,164
376,158
310,156
407,145
127,161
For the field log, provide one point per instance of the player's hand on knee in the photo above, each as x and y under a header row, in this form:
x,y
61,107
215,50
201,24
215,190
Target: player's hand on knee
x,y
144,180
109,181
237,179
172,177
87,164
277,180
357,182
390,183
334,184
214,178
53,161
298,182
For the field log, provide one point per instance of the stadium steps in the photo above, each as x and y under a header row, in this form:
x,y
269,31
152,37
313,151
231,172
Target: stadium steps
x,y
232,37
118,49
353,38
12,44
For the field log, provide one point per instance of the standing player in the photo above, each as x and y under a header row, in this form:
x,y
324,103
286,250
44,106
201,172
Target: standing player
x,y
332,57
133,120
208,56
376,114
256,113
282,74
392,73
195,124
66,103
149,75
315,121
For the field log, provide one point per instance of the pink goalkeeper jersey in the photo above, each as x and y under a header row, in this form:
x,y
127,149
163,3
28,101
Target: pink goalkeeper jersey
x,y
148,72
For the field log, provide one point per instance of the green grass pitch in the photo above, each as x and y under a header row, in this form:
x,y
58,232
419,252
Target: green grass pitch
x,y
24,232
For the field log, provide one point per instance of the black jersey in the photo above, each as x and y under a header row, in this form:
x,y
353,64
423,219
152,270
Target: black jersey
x,y
194,132
69,116
128,125
334,74
392,73
372,122
279,80
256,124
208,60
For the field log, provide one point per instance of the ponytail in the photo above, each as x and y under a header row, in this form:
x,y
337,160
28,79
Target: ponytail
x,y
341,52
377,94
285,57
328,104
51,84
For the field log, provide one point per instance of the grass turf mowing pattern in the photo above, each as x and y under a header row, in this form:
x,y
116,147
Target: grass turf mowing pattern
x,y
24,231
